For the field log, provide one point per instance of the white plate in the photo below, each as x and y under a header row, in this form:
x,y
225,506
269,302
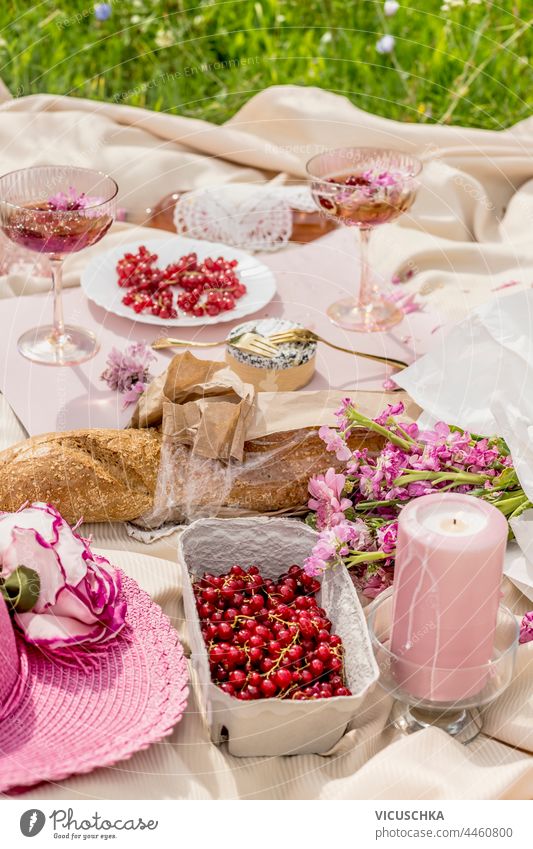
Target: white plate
x,y
99,279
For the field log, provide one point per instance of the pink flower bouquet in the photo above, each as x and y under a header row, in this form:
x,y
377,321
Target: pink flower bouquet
x,y
61,594
356,512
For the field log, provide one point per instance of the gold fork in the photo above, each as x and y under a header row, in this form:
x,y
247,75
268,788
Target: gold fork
x,y
302,334
250,343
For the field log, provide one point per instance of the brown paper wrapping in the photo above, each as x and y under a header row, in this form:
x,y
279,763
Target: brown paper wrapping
x,y
199,385
199,403
228,450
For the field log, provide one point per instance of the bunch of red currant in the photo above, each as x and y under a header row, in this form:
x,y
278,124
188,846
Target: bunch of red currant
x,y
210,287
269,638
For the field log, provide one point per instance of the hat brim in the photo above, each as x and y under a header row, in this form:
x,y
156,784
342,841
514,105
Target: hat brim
x,y
75,717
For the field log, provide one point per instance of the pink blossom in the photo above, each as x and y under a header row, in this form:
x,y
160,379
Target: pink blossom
x,y
439,454
325,548
72,200
327,500
377,583
387,535
373,582
418,488
314,566
442,435
411,429
335,443
89,612
526,628
428,461
406,301
128,371
376,479
391,410
340,414
338,541
356,533
505,285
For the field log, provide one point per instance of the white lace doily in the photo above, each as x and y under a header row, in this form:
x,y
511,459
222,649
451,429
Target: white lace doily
x,y
252,217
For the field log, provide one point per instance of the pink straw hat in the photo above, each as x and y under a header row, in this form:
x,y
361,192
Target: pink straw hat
x,y
59,718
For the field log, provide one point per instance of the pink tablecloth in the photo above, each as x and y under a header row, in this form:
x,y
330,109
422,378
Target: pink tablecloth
x,y
308,279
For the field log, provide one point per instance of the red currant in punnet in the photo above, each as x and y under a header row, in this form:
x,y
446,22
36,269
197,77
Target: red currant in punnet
x,y
268,638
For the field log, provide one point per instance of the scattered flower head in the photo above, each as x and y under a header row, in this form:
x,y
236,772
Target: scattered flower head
x,y
406,301
128,371
70,201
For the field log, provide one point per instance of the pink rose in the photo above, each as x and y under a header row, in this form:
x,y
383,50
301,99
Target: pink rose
x,y
78,593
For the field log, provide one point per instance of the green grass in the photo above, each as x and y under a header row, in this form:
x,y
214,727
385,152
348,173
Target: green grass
x,y
469,65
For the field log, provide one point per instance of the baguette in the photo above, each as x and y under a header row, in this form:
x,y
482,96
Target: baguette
x,y
112,475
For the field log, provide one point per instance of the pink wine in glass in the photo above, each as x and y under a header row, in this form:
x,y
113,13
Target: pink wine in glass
x,y
358,201
37,227
363,188
57,210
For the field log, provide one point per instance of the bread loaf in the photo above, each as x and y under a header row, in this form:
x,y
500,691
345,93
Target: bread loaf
x,y
277,468
111,475
100,475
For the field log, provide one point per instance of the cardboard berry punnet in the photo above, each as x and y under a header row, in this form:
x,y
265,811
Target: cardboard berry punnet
x,y
274,726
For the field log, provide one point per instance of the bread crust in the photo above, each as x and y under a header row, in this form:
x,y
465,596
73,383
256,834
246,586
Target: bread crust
x,y
111,475
99,475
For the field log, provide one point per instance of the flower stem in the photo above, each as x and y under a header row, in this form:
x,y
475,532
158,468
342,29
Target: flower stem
x,y
439,477
367,557
370,424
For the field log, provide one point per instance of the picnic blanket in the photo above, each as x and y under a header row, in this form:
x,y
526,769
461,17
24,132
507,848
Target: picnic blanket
x,y
467,239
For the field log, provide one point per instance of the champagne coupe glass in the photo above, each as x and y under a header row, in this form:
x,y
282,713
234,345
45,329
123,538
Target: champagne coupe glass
x,y
57,210
364,187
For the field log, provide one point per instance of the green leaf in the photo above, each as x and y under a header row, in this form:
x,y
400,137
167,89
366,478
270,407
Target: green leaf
x,y
21,589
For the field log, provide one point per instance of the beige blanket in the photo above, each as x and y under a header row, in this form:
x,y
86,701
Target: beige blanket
x,y
468,236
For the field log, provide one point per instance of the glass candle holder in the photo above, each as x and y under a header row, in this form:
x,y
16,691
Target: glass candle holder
x,y
461,718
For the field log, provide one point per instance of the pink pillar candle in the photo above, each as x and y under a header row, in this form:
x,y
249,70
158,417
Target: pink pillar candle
x,y
449,565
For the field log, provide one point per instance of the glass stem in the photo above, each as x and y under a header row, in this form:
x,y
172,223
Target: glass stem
x,y
58,333
365,283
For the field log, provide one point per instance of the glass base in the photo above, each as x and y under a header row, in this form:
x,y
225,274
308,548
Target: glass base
x,y
463,725
378,315
40,346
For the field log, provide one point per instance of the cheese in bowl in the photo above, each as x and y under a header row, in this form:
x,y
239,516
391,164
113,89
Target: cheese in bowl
x,y
291,368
